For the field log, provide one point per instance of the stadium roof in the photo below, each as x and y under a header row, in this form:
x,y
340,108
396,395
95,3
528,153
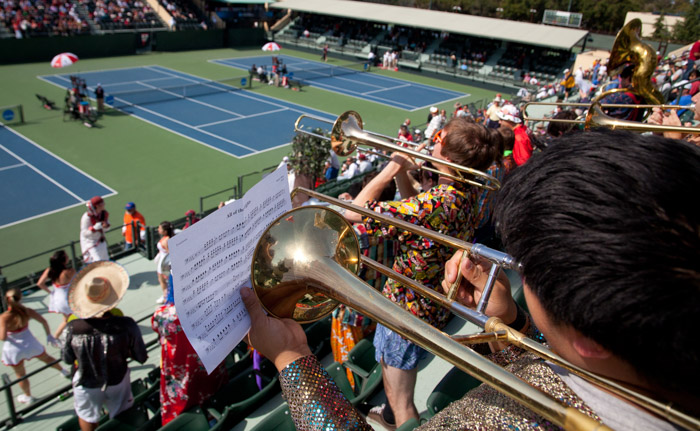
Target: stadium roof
x,y
511,31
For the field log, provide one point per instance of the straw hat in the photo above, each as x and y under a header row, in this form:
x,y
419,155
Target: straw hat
x,y
97,288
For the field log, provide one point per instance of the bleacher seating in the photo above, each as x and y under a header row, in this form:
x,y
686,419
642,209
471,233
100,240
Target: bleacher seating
x,y
33,18
122,14
185,14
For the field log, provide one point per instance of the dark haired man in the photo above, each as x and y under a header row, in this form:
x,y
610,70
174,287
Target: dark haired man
x,y
609,249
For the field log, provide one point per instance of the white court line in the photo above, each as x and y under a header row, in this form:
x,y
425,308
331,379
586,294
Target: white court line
x,y
11,166
279,103
385,89
193,127
192,99
56,183
166,128
41,215
379,77
242,118
60,159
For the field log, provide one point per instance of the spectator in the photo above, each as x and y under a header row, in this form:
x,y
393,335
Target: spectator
x,y
133,218
166,231
431,113
60,272
332,166
492,114
100,96
18,342
184,381
522,149
436,123
324,56
191,218
101,343
93,223
363,165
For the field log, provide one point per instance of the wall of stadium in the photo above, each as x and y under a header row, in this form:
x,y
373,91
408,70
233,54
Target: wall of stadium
x,y
109,45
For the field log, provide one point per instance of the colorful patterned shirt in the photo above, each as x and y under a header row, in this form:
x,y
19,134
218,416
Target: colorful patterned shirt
x,y
447,209
183,379
497,171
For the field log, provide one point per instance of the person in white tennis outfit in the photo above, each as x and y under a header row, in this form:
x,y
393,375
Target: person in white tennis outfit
x,y
19,343
93,224
60,272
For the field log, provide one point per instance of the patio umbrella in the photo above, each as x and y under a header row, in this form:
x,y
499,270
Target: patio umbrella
x,y
271,46
64,59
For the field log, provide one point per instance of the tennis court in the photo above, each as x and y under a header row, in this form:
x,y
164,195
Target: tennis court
x,y
218,114
351,80
37,183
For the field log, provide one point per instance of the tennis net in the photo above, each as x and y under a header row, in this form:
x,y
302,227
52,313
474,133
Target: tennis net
x,y
328,71
164,94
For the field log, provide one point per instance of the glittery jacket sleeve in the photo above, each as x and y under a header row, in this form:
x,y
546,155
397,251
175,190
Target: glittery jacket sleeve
x,y
315,401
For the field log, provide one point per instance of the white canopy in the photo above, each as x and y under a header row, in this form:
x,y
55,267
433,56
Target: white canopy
x,y
456,23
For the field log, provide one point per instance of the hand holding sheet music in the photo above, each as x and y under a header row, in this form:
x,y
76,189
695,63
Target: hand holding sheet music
x,y
211,261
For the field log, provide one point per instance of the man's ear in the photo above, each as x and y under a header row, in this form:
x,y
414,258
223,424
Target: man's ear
x,y
588,348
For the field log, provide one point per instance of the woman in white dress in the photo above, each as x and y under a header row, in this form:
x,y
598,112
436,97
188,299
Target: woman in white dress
x,y
60,273
19,343
166,231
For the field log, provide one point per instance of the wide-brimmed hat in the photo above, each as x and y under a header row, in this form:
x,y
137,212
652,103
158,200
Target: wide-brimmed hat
x,y
509,113
97,288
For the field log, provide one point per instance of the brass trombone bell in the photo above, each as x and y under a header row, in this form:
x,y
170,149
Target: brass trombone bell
x,y
313,251
305,264
347,133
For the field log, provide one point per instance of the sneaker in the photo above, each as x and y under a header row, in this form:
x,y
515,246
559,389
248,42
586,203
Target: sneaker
x,y
376,413
25,399
160,300
66,373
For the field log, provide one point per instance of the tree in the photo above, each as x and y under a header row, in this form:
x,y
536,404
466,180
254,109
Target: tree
x,y
660,31
308,160
688,30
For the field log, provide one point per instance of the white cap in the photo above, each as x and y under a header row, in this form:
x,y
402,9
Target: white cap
x,y
417,131
285,159
566,70
433,109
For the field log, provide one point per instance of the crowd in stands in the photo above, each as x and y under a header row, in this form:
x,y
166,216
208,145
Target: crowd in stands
x,y
32,18
121,14
184,14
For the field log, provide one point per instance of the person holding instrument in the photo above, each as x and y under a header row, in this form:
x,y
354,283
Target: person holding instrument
x,y
608,249
449,207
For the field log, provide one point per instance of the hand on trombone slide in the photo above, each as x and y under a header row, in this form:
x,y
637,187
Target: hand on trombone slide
x,y
473,279
668,118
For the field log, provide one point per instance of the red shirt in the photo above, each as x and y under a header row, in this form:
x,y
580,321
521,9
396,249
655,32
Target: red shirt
x,y
695,51
522,149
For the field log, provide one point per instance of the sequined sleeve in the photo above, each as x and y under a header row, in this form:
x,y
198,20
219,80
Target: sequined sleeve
x,y
315,401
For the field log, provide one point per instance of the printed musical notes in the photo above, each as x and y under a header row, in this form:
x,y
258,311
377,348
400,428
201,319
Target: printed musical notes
x,y
211,261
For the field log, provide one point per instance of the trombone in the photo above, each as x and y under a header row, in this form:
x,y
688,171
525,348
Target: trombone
x,y
347,133
588,105
305,264
596,117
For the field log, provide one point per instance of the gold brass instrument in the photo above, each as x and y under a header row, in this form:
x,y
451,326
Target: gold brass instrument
x,y
627,48
305,263
588,105
347,133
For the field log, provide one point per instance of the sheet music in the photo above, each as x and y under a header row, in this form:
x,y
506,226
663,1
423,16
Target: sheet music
x,y
211,261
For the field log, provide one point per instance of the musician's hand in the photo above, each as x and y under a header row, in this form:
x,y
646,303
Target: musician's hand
x,y
282,341
474,276
656,117
671,119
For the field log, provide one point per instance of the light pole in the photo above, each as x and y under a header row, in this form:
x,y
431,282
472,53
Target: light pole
x,y
532,14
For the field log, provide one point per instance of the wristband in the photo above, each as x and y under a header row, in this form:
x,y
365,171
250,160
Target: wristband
x,y
520,319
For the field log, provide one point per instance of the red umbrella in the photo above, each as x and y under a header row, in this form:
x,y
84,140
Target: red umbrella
x,y
64,59
271,46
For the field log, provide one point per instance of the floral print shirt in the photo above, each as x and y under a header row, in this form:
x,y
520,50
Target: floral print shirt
x,y
448,209
184,381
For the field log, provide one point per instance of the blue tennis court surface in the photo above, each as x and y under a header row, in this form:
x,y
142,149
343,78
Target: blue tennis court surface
x,y
234,121
386,90
34,182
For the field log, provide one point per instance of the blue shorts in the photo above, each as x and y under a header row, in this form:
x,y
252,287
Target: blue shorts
x,y
396,351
